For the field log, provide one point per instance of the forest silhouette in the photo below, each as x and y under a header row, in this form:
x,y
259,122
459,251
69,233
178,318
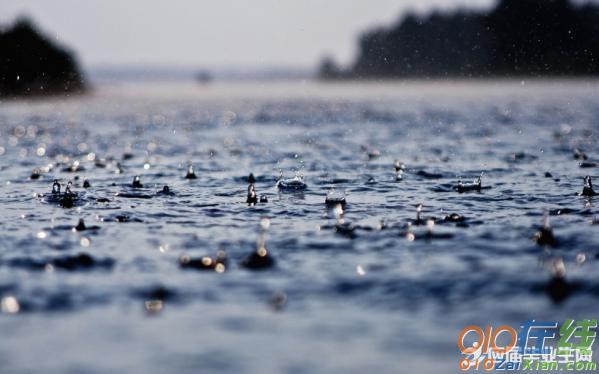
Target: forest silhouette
x,y
32,65
515,38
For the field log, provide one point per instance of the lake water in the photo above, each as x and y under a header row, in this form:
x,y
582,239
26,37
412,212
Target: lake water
x,y
362,296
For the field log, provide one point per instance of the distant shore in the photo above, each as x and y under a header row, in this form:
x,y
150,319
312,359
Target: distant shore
x,y
517,38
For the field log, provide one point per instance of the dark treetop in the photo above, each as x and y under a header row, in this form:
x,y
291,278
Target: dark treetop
x,y
516,38
32,65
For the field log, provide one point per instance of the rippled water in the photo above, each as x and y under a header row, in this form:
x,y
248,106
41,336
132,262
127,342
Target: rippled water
x,y
359,297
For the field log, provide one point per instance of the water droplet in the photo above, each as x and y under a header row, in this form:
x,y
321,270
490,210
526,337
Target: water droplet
x,y
410,235
264,223
219,268
580,258
430,224
9,305
558,268
154,306
360,270
338,211
82,147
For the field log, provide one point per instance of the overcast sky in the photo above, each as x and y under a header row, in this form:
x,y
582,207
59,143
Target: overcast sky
x,y
253,33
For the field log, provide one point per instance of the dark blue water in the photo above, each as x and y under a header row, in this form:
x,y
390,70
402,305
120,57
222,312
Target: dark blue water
x,y
361,288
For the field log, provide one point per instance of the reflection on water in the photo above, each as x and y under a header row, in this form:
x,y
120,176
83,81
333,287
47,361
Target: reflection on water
x,y
382,247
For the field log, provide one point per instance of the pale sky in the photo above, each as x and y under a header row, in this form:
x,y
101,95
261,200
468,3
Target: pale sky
x,y
204,33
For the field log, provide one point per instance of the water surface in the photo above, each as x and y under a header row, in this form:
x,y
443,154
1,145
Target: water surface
x,y
369,300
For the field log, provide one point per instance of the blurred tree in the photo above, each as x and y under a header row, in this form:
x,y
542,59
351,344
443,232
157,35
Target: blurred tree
x,y
517,37
31,65
329,69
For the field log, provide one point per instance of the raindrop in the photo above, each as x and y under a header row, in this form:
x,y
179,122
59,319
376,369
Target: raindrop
x,y
9,305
